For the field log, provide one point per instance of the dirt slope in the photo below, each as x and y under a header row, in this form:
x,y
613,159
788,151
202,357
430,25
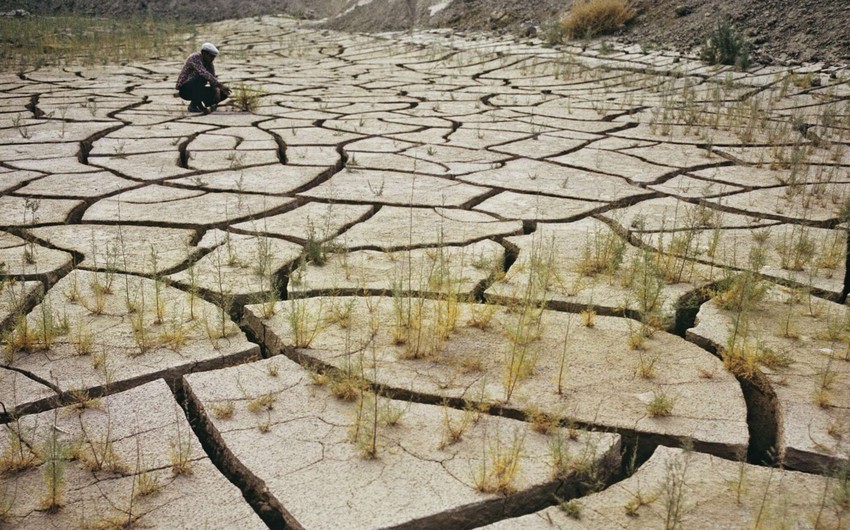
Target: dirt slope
x,y
190,10
781,30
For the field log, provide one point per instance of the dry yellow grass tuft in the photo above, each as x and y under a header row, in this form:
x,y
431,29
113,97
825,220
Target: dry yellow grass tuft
x,y
588,18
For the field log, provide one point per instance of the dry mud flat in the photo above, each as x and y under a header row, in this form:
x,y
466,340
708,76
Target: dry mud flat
x,y
424,466
809,376
129,459
520,360
429,281
693,490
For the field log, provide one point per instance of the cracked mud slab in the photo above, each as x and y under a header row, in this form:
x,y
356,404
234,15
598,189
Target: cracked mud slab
x,y
587,264
28,259
459,270
393,162
395,227
527,206
44,132
811,375
11,179
667,214
316,221
550,179
85,337
687,187
160,205
813,258
79,185
385,187
597,369
117,466
19,211
268,179
807,202
298,442
697,490
238,265
146,166
135,249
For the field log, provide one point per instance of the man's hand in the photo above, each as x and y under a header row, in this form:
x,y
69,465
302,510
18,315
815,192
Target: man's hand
x,y
225,90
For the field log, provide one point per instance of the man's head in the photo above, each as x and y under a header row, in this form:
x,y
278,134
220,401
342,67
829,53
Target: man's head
x,y
209,52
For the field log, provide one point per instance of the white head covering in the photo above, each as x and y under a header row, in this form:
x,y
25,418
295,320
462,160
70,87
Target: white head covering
x,y
208,47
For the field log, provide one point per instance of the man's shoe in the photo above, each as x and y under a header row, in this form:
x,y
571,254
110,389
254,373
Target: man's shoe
x,y
195,108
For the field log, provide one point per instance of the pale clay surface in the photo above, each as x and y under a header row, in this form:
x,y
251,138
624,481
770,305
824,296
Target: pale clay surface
x,y
483,175
203,496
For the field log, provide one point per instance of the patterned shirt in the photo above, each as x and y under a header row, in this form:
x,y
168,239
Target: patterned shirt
x,y
195,67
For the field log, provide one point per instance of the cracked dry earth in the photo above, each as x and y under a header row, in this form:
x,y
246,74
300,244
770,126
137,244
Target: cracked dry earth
x,y
429,282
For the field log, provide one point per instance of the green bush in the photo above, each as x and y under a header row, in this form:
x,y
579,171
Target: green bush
x,y
552,32
726,45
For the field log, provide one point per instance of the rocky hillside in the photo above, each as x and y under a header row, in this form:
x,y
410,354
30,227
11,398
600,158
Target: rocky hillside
x,y
781,30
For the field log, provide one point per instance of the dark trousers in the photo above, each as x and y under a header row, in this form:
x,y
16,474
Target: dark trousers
x,y
197,91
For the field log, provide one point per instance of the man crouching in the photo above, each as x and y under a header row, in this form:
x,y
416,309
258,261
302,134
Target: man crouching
x,y
192,83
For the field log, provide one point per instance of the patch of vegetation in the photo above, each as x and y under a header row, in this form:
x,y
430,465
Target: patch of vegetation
x,y
660,405
36,41
552,32
247,98
589,18
571,508
725,45
500,465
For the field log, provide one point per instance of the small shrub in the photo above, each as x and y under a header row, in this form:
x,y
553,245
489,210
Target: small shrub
x,y
99,455
346,387
646,366
725,45
562,460
453,431
482,315
660,405
501,465
319,378
552,33
542,422
247,98
19,454
390,413
589,18
263,402
223,411
273,369
588,318
571,508
54,473
147,484
181,456
742,292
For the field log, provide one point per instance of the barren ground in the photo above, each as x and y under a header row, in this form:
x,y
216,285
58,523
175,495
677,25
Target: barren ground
x,y
430,281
